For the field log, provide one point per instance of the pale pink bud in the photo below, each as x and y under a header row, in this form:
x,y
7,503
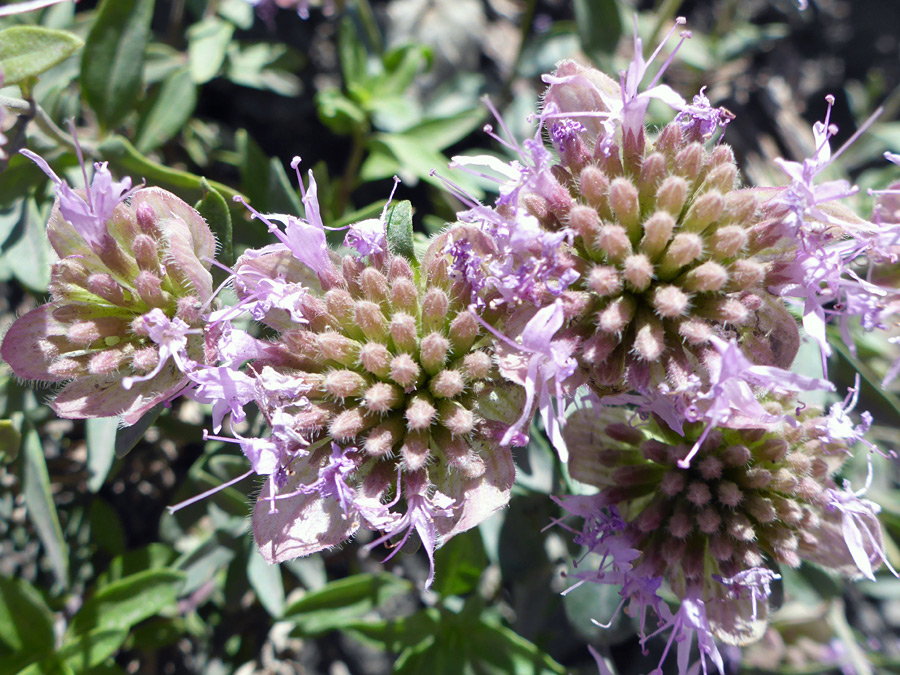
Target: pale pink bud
x,y
477,365
740,207
671,195
708,520
334,346
457,419
374,285
146,252
638,272
585,222
650,339
669,140
623,199
680,525
340,304
343,383
657,231
404,295
420,413
653,168
670,301
710,276
616,315
689,161
104,286
375,358
149,288
746,274
684,249
399,268
698,494
614,242
447,384
371,321
404,332
594,188
604,280
463,331
145,359
415,451
433,352
435,305
382,397
672,483
721,178
703,212
695,331
740,527
729,494
383,437
348,424
727,241
405,371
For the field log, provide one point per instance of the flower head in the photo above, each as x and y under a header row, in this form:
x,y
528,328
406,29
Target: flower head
x,y
126,300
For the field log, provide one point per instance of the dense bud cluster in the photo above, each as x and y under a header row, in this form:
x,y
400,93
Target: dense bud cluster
x,y
108,297
394,371
749,499
391,365
666,247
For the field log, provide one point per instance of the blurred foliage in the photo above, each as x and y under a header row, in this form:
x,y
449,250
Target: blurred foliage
x,y
202,98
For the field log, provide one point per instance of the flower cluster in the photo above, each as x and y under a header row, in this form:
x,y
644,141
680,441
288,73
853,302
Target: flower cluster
x,y
128,292
627,270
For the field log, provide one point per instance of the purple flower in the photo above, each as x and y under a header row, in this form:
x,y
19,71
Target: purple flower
x,y
421,511
367,237
689,621
89,217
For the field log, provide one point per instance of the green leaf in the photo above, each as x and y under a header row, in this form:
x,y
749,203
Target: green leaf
x,y
266,581
400,230
151,557
344,603
352,53
10,440
459,563
442,132
30,256
26,623
214,209
80,654
599,26
92,648
41,509
113,61
124,157
28,51
128,601
170,112
207,45
101,449
339,113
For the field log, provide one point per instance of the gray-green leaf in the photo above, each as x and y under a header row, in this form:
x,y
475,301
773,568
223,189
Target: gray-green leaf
x,y
28,51
400,230
113,61
41,509
170,112
128,601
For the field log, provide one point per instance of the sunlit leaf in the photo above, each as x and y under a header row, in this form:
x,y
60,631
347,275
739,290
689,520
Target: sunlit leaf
x,y
113,61
41,508
127,601
28,51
